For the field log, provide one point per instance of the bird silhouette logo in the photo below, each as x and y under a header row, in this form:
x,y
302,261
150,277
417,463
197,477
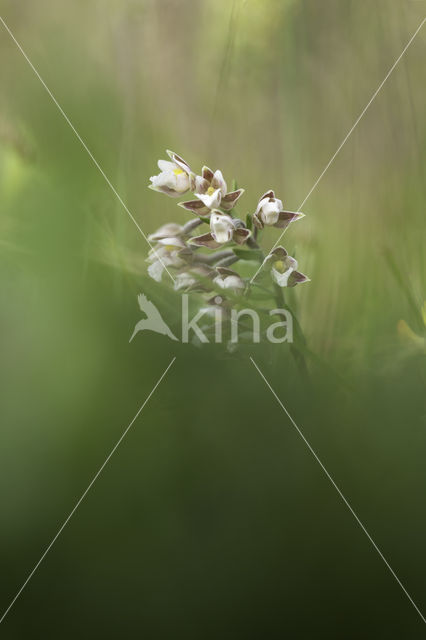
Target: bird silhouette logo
x,y
153,321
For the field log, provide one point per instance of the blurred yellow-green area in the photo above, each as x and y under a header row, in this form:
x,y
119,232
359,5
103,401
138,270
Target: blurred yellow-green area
x,y
212,519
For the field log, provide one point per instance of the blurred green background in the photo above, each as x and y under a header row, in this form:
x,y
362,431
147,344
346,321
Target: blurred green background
x,y
212,519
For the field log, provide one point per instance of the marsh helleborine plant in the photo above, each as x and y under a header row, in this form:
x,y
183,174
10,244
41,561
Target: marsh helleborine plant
x,y
179,250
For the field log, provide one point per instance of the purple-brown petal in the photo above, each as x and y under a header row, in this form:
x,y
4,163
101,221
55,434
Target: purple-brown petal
x,y
279,252
268,194
224,271
163,189
192,181
205,240
195,206
207,174
186,254
179,161
296,278
203,186
241,235
286,218
257,221
229,201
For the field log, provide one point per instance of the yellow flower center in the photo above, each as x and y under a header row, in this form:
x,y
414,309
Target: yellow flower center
x,y
279,266
178,171
210,191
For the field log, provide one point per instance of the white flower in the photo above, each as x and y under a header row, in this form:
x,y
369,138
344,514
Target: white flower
x,y
198,183
169,230
283,268
211,190
269,212
211,199
223,229
194,279
184,281
228,279
155,270
168,253
173,178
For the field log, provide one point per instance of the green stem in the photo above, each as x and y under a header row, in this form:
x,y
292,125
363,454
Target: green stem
x,y
192,224
214,257
226,262
251,242
296,352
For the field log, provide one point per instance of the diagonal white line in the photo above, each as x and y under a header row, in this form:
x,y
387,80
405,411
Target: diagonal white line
x,y
339,491
84,145
80,500
362,112
329,163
